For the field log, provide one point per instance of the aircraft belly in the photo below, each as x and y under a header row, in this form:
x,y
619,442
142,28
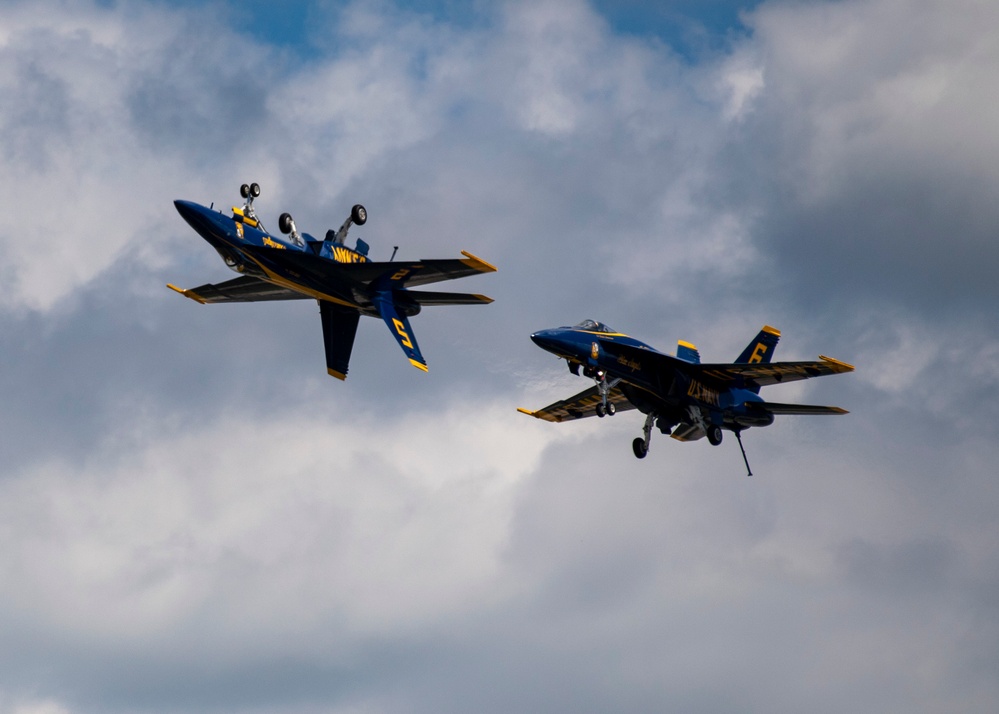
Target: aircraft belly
x,y
290,273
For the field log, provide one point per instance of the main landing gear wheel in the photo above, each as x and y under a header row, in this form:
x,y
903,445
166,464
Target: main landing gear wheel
x,y
639,447
285,223
359,215
611,409
714,435
601,410
252,189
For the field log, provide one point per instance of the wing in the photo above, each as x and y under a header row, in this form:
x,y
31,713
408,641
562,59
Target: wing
x,y
428,298
244,289
763,374
582,405
402,274
726,375
803,409
425,272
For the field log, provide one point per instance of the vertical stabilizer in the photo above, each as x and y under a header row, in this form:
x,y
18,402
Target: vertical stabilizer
x,y
761,349
688,352
339,329
398,325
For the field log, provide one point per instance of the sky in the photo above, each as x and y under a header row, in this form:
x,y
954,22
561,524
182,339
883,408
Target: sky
x,y
194,517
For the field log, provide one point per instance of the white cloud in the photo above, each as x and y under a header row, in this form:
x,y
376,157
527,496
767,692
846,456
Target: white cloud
x,y
282,521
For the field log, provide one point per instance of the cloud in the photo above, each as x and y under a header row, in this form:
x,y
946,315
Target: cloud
x,y
198,518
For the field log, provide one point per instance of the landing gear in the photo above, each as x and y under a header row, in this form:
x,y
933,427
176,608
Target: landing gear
x,y
603,388
358,216
252,189
714,434
286,224
249,192
641,445
608,410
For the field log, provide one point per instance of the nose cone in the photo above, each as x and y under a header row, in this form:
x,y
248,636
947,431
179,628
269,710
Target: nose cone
x,y
190,212
211,225
547,340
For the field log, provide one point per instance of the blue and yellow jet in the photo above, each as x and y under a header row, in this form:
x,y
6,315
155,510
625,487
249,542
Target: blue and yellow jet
x,y
679,395
345,282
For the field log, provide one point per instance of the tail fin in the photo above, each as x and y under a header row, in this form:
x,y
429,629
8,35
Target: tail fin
x,y
761,349
688,352
339,328
398,325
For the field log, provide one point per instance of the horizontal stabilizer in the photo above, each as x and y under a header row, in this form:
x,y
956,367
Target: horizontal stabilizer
x,y
802,409
431,298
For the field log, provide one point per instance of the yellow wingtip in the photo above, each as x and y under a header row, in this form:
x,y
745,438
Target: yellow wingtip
x,y
771,330
188,294
419,365
478,263
339,375
845,366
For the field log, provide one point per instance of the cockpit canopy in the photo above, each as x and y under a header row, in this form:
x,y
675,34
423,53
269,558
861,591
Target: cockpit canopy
x,y
594,326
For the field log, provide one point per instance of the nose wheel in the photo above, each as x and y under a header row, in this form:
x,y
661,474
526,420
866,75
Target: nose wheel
x,y
605,407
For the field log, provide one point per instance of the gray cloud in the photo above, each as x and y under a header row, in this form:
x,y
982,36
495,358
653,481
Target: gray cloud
x,y
196,518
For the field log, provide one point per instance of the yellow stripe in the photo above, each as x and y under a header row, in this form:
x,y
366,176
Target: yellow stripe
x,y
278,280
188,294
419,365
771,330
339,375
477,263
846,367
689,346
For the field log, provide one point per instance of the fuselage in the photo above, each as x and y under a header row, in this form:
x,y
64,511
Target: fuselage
x,y
305,266
654,382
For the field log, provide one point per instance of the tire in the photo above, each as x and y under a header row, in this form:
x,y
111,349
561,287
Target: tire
x,y
638,446
601,412
359,215
714,435
254,189
611,409
284,223
244,191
